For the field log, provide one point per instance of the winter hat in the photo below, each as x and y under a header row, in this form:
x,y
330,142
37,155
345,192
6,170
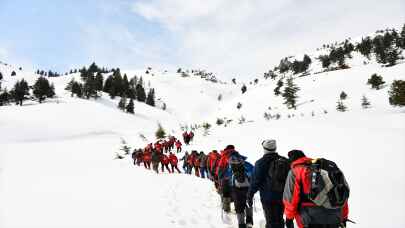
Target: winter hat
x,y
269,146
295,154
230,147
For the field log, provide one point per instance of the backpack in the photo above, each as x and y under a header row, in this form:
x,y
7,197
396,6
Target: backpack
x,y
277,173
328,186
241,171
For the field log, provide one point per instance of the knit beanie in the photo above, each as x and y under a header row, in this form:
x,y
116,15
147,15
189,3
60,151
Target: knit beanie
x,y
269,146
295,154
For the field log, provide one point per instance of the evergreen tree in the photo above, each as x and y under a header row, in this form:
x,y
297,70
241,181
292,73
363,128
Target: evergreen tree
x,y
340,106
290,93
397,93
280,84
140,93
364,102
13,73
239,105
77,88
4,97
130,106
94,68
108,84
42,89
244,89
1,76
365,47
123,103
325,60
375,81
20,90
343,95
401,43
90,85
160,133
125,85
393,56
99,81
150,100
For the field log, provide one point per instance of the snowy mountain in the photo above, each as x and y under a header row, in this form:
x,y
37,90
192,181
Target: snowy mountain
x,y
57,166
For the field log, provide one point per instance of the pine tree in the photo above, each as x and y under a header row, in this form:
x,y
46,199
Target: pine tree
x,y
70,85
244,88
125,85
290,94
160,133
365,47
280,84
239,105
340,106
393,56
108,84
343,95
42,89
4,97
140,93
364,102
1,76
150,100
397,93
77,88
99,81
13,73
376,81
123,103
130,107
20,90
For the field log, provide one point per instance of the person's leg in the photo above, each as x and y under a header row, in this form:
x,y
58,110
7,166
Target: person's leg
x,y
273,213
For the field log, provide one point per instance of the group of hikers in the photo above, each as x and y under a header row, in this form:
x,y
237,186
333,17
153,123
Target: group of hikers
x,y
314,192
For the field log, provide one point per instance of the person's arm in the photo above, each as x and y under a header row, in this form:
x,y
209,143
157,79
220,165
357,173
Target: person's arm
x,y
255,180
291,196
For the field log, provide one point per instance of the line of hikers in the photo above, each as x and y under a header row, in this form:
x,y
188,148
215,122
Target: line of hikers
x,y
314,192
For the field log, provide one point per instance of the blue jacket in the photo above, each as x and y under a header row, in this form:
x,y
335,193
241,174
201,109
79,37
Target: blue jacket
x,y
260,178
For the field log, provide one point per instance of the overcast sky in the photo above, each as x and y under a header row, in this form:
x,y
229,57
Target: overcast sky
x,y
234,38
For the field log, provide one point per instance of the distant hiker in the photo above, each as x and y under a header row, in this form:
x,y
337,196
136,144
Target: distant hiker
x,y
191,161
269,176
224,176
173,162
134,154
306,195
240,181
164,159
197,162
155,160
178,146
190,136
212,161
147,158
203,164
186,138
185,162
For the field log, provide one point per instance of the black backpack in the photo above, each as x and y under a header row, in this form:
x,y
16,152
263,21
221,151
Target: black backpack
x,y
277,173
329,188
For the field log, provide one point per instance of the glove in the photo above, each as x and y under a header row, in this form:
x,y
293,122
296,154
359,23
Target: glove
x,y
289,223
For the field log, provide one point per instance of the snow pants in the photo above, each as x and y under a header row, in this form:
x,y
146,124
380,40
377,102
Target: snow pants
x,y
155,166
273,213
165,166
244,214
175,167
203,171
146,164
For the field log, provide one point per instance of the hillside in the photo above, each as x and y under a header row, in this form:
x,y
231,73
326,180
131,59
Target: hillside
x,y
57,166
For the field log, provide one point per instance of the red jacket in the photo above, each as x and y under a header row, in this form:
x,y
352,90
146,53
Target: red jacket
x,y
173,159
164,159
191,159
178,144
147,156
298,184
223,161
212,158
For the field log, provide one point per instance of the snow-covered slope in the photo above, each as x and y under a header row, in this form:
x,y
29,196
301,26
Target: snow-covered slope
x,y
57,167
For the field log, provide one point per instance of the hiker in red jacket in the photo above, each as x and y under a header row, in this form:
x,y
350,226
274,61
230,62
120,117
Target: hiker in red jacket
x,y
212,161
147,158
178,146
190,136
173,162
223,180
190,161
197,164
297,204
165,162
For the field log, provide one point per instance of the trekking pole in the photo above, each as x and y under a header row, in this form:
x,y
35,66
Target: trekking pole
x,y
351,221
